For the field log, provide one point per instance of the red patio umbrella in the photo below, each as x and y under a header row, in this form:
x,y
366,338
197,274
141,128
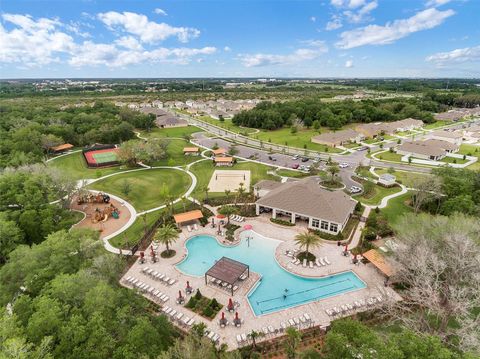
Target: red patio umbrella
x,y
142,255
346,247
236,315
230,304
247,227
223,315
188,285
220,216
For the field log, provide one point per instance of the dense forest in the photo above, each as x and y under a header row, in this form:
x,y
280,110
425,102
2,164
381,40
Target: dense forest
x,y
28,129
269,116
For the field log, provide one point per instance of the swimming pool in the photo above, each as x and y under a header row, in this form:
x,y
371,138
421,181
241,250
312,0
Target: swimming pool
x,y
278,289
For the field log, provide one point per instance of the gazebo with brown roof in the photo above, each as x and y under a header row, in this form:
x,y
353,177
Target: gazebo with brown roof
x,y
378,260
60,148
187,216
219,152
228,271
190,150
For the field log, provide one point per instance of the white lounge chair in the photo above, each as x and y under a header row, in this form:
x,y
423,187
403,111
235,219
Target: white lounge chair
x,y
291,322
265,330
322,262
171,281
185,320
191,322
239,339
307,317
189,228
195,227
179,316
327,261
304,264
310,264
244,337
317,262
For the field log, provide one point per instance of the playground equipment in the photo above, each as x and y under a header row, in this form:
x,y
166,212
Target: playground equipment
x,y
104,214
93,198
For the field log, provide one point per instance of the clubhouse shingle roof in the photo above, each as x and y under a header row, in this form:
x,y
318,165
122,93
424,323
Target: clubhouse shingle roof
x,y
307,198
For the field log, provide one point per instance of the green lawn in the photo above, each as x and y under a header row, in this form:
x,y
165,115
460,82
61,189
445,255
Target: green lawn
x,y
407,178
376,197
397,207
133,233
365,172
149,188
389,156
289,173
453,160
171,132
175,156
74,166
437,124
300,139
471,150
226,124
204,170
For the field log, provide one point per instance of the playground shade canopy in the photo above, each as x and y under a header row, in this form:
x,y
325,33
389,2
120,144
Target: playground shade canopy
x,y
219,151
223,159
187,216
190,149
378,260
227,270
65,146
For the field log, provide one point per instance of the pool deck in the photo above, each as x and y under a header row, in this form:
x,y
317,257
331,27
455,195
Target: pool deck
x,y
316,309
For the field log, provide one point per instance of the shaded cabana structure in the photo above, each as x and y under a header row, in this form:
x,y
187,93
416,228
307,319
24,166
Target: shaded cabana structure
x,y
378,261
227,273
186,218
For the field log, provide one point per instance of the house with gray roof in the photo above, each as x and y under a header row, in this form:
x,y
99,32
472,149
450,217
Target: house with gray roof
x,y
431,149
338,138
304,200
454,137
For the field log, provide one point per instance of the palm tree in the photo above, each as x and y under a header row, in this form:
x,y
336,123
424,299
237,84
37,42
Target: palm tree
x,y
306,240
184,201
241,190
333,170
253,335
227,193
167,234
228,211
294,338
206,190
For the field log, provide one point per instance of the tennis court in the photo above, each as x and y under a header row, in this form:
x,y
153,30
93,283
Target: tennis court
x,y
99,157
222,180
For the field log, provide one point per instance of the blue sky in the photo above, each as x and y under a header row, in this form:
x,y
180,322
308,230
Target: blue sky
x,y
315,38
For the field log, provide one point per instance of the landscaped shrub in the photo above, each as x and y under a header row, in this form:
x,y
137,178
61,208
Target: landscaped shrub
x,y
191,303
329,237
370,234
281,222
207,312
198,295
214,304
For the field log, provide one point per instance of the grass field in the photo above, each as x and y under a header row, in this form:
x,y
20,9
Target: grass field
x,y
148,189
175,156
289,173
74,166
389,156
300,139
407,178
453,160
397,207
133,233
204,170
376,196
471,150
171,132
437,124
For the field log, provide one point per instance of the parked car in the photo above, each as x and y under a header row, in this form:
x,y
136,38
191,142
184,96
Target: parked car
x,y
295,166
343,165
363,148
272,158
295,157
305,159
355,189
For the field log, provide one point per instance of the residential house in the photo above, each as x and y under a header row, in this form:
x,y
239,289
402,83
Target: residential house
x,y
429,149
304,200
338,138
450,136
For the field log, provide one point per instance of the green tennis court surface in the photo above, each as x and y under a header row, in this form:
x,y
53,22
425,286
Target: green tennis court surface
x,y
105,157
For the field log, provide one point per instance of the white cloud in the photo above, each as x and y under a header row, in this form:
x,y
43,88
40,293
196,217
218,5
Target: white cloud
x,y
362,14
33,42
337,3
129,42
313,18
435,3
227,49
387,34
348,63
315,49
352,4
160,12
467,54
148,31
334,24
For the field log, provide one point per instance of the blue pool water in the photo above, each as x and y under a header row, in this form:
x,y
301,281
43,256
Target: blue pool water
x,y
276,283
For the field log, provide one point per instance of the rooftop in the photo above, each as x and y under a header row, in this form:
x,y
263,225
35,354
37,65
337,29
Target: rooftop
x,y
307,198
378,260
227,270
188,216
447,134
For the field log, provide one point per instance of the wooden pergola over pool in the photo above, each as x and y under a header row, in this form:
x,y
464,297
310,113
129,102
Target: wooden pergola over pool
x,y
228,271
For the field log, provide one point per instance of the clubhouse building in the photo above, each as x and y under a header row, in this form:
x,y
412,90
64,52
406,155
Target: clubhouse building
x,y
305,200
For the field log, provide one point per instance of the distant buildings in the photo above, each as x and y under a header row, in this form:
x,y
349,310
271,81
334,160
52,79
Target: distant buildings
x,y
165,119
454,137
338,138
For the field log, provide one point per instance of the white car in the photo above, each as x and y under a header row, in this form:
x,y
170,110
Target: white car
x,y
355,189
343,165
